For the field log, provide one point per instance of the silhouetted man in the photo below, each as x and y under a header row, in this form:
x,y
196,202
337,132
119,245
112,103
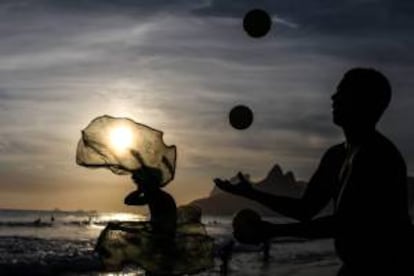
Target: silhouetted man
x,y
365,177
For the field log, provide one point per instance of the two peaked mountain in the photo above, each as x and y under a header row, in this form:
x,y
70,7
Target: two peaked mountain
x,y
276,182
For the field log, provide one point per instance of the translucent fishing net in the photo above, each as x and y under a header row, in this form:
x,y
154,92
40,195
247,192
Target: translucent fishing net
x,y
108,141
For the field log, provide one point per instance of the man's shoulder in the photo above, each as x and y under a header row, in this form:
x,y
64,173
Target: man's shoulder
x,y
381,145
382,151
334,154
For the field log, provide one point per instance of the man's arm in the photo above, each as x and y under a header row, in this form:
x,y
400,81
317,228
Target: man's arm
x,y
316,196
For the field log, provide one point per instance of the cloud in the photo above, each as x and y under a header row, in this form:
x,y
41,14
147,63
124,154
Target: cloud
x,y
345,17
364,31
180,66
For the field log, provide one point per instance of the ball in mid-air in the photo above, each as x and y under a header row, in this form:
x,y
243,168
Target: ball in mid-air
x,y
241,117
257,23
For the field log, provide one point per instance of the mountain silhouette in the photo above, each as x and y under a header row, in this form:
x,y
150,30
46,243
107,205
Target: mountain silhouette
x,y
276,182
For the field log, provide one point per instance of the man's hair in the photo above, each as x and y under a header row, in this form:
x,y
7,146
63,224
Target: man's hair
x,y
372,89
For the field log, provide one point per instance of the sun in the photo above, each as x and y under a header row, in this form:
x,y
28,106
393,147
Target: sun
x,y
121,138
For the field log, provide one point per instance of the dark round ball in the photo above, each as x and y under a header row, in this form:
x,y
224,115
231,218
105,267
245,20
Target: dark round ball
x,y
246,217
246,227
241,117
257,23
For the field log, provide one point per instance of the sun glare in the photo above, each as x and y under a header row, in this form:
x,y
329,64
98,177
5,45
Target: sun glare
x,y
121,138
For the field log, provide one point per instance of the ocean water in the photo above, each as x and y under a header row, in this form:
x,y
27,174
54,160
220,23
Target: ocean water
x,y
55,224
58,242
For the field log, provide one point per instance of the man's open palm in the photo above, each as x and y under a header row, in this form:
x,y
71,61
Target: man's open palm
x,y
242,187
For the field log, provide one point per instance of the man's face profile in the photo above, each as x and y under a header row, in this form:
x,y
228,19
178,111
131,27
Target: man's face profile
x,y
360,98
343,104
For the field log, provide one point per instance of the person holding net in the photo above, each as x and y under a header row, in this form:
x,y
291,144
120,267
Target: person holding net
x,y
173,241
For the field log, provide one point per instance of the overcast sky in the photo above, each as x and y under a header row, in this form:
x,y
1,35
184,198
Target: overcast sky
x,y
180,66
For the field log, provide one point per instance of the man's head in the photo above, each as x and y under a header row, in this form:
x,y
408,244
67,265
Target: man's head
x,y
361,98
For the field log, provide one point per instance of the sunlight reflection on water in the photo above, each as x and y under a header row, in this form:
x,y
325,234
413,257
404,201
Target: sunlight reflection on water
x,y
120,217
65,225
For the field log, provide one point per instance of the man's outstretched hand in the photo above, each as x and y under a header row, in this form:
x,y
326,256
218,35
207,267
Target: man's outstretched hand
x,y
243,187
